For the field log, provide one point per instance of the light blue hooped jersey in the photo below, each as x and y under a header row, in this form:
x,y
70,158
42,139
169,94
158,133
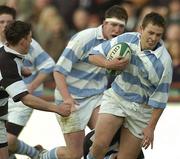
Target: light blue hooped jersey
x,y
148,77
83,79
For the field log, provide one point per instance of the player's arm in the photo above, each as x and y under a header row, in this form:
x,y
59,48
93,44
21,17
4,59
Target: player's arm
x,y
37,81
114,64
155,99
149,130
61,84
98,56
71,55
155,117
40,104
98,60
17,90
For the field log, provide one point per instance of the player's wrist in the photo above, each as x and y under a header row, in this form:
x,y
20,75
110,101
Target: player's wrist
x,y
106,64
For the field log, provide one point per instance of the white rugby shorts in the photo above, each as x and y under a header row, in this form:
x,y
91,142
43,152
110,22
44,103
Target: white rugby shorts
x,y
136,115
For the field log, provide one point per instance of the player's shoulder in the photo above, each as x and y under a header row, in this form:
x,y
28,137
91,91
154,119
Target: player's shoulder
x,y
7,59
85,34
129,37
34,43
6,56
82,38
35,47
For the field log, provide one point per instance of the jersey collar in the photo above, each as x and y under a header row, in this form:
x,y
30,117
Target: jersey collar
x,y
9,50
100,33
158,50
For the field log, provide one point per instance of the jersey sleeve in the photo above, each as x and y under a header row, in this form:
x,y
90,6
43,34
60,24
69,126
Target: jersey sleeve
x,y
12,81
159,97
71,55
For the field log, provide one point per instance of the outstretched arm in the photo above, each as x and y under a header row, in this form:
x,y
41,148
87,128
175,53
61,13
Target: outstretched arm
x,y
40,104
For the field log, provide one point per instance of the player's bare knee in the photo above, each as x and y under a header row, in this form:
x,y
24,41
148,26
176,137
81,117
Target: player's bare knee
x,y
99,148
69,154
76,156
127,155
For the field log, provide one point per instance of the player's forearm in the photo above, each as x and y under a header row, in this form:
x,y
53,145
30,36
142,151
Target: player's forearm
x,y
155,117
114,64
37,103
98,60
61,84
38,80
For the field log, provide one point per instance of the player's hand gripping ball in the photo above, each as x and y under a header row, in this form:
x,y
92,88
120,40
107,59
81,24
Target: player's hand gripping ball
x,y
120,50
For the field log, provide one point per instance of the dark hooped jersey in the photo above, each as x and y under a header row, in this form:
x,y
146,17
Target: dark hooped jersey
x,y
11,83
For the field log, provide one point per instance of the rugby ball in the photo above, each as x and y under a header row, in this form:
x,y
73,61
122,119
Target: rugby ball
x,y
121,50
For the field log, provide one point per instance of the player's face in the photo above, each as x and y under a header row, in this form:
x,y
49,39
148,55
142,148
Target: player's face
x,y
112,29
150,36
5,19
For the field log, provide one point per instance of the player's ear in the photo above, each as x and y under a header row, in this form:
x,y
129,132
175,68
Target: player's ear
x,y
104,22
21,41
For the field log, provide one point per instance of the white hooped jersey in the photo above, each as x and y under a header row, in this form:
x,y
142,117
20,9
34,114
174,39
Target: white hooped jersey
x,y
83,79
147,78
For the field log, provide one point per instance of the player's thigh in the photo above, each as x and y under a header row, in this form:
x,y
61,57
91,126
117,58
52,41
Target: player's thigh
x,y
130,145
110,119
93,119
106,126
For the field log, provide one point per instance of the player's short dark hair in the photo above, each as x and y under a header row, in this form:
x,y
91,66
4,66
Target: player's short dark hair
x,y
17,30
118,12
155,19
8,10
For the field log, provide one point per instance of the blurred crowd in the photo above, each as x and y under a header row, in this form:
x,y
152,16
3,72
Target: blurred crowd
x,y
55,21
